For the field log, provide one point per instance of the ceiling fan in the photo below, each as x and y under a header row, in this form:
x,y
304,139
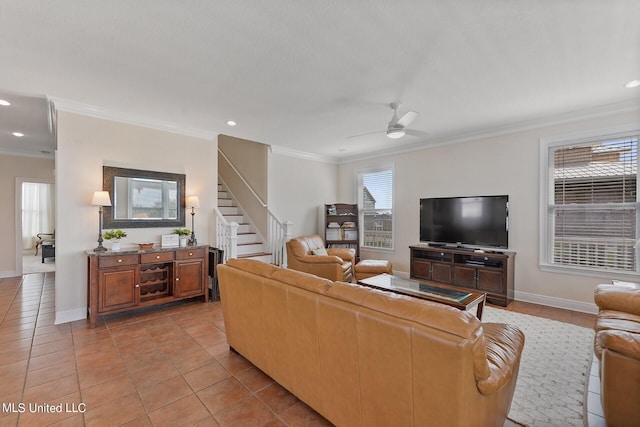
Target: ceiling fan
x,y
397,127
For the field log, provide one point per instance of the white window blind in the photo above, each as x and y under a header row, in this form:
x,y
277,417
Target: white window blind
x,y
592,210
376,208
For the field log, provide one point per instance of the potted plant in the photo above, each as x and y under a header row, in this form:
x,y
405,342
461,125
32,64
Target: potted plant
x,y
114,236
183,233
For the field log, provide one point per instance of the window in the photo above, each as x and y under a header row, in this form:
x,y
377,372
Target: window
x,y
375,203
591,203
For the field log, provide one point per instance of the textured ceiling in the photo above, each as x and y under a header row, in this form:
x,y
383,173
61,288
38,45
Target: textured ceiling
x,y
308,75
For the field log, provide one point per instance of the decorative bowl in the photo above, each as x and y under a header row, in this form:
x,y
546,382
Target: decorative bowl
x,y
145,246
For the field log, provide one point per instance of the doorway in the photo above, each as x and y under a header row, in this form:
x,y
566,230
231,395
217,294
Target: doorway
x,y
37,218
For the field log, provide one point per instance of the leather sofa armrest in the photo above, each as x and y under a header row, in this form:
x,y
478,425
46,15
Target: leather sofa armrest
x,y
496,366
347,254
622,342
321,259
618,298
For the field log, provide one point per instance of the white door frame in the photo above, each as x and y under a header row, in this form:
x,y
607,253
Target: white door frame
x,y
19,247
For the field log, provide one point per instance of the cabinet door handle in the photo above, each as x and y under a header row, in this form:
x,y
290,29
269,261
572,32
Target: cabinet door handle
x,y
190,253
119,260
137,285
177,279
157,256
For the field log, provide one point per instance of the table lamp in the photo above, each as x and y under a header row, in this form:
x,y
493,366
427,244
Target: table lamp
x,y
193,202
100,198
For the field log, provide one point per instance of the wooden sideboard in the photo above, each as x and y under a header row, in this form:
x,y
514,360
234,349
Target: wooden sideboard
x,y
125,280
489,272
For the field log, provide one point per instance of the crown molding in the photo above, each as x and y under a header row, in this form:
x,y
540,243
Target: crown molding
x,y
285,151
559,119
27,153
83,109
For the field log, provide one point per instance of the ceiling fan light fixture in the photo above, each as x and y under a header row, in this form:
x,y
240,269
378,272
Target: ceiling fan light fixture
x,y
395,133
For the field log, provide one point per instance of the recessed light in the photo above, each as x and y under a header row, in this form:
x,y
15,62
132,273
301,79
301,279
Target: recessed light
x,y
18,134
231,123
633,83
5,103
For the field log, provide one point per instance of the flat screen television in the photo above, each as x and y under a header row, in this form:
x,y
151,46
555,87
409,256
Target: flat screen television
x,y
481,221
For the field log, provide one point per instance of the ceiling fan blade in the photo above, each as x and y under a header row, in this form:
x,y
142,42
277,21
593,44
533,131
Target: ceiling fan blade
x,y
407,118
416,133
365,134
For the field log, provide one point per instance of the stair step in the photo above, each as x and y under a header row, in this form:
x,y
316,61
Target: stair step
x,y
247,238
234,218
254,254
229,210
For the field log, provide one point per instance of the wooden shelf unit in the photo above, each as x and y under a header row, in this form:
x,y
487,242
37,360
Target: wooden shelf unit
x,y
342,237
489,271
125,280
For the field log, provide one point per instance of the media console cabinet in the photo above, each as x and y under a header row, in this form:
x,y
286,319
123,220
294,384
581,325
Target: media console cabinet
x,y
490,272
125,280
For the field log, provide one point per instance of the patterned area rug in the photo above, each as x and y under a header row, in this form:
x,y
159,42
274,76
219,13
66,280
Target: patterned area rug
x,y
554,370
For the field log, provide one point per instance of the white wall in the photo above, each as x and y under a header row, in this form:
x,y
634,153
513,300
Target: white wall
x,y
85,144
299,188
506,164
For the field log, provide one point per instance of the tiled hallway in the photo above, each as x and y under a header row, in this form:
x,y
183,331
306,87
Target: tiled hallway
x,y
167,366
161,367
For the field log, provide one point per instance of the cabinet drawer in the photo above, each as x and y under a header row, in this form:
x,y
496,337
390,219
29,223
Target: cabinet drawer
x,y
156,257
190,253
117,260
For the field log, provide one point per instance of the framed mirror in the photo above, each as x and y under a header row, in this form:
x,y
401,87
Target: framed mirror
x,y
142,198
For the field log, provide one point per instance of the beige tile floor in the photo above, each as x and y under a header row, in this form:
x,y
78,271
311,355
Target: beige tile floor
x,y
167,366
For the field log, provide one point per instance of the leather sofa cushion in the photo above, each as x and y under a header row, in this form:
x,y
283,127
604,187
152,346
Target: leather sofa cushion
x,y
619,298
608,319
623,342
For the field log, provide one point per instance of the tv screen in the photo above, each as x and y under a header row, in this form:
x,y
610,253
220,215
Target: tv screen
x,y
476,221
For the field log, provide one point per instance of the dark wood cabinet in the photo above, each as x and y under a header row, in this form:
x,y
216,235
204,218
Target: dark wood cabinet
x,y
490,272
121,281
191,274
118,288
341,227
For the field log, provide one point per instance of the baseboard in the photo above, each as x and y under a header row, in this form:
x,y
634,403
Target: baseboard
x,y
70,315
566,304
5,274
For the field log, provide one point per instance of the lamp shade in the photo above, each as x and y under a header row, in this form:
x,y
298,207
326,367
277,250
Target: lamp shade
x,y
193,202
101,198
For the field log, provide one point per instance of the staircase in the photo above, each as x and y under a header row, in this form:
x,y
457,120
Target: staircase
x,y
249,242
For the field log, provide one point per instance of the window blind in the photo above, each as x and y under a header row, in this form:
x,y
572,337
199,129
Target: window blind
x,y
593,209
376,207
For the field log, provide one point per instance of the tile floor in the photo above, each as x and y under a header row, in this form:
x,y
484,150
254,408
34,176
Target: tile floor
x,y
164,366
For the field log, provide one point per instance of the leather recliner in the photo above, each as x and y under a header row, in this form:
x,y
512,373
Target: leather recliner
x,y
336,265
617,346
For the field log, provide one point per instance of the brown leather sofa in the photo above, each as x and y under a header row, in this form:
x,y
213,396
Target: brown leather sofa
x,y
617,346
337,264
362,357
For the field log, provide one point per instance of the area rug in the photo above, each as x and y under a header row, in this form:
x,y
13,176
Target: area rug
x,y
554,370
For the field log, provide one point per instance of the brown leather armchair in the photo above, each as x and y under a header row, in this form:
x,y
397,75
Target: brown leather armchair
x,y
336,265
617,346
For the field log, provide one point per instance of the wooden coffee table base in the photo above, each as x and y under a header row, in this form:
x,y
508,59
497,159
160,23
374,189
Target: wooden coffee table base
x,y
436,292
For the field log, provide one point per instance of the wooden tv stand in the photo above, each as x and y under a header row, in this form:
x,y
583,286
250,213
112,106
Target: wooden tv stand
x,y
126,280
490,272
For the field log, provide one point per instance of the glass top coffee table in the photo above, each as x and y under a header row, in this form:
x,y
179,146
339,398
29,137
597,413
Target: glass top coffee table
x,y
460,298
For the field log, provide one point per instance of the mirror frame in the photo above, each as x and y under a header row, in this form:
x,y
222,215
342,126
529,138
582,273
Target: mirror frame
x,y
109,173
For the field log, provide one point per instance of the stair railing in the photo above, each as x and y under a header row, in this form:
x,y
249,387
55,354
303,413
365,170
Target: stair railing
x,y
278,232
226,236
